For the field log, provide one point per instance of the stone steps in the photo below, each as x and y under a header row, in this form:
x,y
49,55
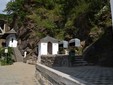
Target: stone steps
x,y
79,61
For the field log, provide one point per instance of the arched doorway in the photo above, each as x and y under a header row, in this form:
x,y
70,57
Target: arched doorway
x,y
49,48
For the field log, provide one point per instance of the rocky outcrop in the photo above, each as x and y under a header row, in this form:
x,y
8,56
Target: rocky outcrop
x,y
27,41
101,51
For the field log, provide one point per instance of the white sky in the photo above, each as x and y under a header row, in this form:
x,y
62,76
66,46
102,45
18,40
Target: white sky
x,y
3,5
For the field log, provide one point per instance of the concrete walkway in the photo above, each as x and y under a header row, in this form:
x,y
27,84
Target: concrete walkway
x,y
93,74
17,74
18,56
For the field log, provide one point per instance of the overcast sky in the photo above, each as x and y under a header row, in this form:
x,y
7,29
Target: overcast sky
x,y
3,5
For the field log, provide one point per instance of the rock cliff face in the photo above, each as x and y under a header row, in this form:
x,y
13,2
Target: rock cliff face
x,y
62,20
101,51
27,41
96,45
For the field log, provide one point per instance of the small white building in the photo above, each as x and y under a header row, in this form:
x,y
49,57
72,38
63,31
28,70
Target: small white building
x,y
75,42
64,44
48,46
11,40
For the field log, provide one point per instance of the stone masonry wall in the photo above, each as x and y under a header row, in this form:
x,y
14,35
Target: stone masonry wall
x,y
55,60
48,76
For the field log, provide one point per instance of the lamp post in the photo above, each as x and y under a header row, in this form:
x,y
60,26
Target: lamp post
x,y
6,52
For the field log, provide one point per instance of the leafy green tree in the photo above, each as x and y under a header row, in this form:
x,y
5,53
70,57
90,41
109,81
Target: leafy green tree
x,y
18,12
58,18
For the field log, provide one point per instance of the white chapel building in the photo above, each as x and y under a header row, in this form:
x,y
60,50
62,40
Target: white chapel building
x,y
11,40
48,46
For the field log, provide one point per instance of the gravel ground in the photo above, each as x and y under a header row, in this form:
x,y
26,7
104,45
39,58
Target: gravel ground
x,y
17,74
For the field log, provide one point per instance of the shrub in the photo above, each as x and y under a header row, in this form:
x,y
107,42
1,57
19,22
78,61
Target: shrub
x,y
6,58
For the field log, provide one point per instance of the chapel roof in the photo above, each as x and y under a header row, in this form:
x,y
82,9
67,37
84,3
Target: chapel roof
x,y
74,40
49,39
63,41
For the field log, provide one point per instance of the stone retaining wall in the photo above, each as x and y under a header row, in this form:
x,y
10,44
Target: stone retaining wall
x,y
49,76
55,60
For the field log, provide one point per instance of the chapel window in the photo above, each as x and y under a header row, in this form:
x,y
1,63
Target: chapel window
x,y
12,39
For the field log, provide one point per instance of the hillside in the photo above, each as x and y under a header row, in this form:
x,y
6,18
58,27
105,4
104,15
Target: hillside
x,y
88,20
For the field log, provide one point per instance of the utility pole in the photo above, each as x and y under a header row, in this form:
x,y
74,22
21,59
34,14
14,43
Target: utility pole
x,y
111,5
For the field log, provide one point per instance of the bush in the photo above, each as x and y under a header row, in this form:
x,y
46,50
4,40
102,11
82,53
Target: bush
x,y
6,58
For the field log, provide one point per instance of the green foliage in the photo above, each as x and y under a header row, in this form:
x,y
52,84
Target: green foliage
x,y
14,6
6,58
17,11
3,17
58,16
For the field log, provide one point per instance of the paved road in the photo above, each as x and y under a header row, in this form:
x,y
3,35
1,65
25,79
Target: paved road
x,y
93,74
17,74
